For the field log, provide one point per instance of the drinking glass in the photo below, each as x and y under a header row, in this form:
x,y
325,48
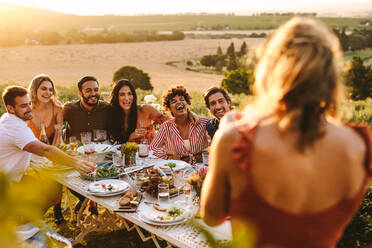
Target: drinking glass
x,y
187,191
99,135
117,160
205,156
178,179
143,149
86,137
139,179
73,143
163,194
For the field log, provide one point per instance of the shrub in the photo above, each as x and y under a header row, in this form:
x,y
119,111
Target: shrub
x,y
212,60
239,81
358,78
137,77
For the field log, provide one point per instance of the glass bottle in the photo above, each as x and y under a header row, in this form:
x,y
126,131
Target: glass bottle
x,y
43,137
58,137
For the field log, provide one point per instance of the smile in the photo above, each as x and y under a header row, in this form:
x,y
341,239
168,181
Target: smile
x,y
180,108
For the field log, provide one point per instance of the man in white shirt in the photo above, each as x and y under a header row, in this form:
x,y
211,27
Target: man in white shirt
x,y
17,141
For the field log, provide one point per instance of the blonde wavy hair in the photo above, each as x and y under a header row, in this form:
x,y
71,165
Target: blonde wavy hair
x,y
35,84
297,78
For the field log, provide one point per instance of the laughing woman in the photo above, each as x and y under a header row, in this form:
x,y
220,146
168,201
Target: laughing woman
x,y
184,137
129,121
46,109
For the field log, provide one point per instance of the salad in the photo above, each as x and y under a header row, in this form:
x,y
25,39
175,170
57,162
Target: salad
x,y
172,213
106,171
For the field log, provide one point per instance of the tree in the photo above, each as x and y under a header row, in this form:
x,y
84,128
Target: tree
x,y
358,78
356,42
209,60
243,49
239,81
219,51
137,77
231,50
232,64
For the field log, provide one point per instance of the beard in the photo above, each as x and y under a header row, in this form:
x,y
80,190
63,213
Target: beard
x,y
26,116
86,100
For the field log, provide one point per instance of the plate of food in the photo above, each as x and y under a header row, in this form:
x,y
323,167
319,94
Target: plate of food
x,y
108,187
167,165
170,215
103,172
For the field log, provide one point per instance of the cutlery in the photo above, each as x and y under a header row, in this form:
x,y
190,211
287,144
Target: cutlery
x,y
109,147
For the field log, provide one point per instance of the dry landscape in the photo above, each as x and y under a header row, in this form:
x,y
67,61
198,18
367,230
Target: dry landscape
x,y
67,63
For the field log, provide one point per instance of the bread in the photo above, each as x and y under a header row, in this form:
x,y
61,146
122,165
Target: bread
x,y
124,201
129,195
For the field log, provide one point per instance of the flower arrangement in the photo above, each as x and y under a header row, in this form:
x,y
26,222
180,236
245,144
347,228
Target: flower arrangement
x,y
129,149
151,99
196,180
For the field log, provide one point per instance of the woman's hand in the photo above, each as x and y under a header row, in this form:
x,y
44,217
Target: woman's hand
x,y
84,167
137,133
173,155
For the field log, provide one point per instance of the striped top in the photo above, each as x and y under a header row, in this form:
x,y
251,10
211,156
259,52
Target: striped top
x,y
169,138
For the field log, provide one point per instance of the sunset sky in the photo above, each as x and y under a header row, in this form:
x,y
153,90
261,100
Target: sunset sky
x,y
173,6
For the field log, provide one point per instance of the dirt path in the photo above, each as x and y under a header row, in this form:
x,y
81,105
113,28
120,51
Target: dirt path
x,y
67,63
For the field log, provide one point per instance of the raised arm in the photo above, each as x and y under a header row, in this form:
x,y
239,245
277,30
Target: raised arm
x,y
56,155
158,143
155,115
216,188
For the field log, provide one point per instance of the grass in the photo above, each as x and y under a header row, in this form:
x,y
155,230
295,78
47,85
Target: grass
x,y
64,23
363,54
116,239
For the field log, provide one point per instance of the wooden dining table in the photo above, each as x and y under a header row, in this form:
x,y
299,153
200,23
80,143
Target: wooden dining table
x,y
189,234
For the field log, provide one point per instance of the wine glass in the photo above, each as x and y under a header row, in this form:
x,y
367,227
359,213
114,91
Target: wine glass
x,y
187,191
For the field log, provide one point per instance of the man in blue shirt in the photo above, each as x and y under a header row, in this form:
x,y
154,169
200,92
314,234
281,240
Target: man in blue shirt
x,y
219,103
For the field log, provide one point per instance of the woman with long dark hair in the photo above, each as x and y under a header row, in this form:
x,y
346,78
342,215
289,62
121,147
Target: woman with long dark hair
x,y
128,120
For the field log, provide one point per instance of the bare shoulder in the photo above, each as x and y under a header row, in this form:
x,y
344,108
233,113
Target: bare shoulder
x,y
148,108
225,137
352,143
58,106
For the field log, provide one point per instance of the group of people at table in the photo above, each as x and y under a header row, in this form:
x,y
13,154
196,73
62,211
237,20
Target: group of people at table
x,y
182,137
287,167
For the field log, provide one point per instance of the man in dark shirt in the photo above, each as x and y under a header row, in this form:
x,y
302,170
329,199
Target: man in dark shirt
x,y
219,103
85,115
89,112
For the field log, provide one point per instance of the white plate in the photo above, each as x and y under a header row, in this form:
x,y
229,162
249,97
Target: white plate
x,y
152,215
144,219
97,188
180,165
98,148
148,221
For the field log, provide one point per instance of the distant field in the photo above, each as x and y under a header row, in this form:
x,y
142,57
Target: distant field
x,y
63,23
66,64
